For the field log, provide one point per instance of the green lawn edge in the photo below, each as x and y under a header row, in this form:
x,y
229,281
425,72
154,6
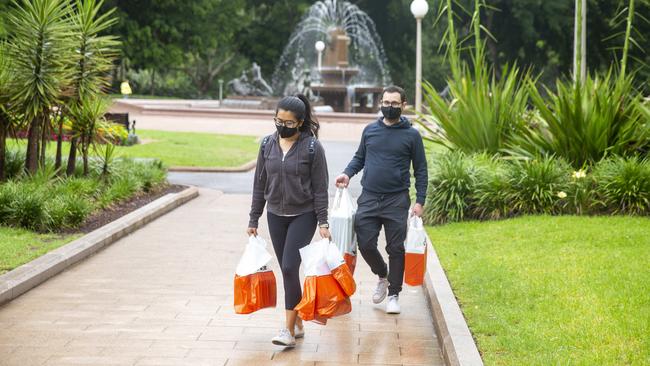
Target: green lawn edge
x,y
544,290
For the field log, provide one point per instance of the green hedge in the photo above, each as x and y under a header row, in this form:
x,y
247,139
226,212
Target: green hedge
x,y
485,187
46,202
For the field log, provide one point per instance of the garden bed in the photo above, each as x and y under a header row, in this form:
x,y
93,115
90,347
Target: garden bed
x,y
19,246
542,290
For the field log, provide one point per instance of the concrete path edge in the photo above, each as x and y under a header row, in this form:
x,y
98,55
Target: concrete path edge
x,y
195,169
455,339
22,279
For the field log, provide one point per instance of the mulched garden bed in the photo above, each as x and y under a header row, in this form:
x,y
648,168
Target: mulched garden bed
x,y
108,215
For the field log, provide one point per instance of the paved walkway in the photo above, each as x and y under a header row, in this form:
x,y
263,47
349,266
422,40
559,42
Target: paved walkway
x,y
163,296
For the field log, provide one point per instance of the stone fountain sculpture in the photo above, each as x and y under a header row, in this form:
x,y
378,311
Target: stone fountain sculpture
x,y
353,70
254,86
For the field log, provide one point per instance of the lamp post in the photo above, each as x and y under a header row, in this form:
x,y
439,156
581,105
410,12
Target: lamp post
x,y
320,46
220,92
419,9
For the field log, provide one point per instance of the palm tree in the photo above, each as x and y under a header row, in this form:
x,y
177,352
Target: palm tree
x,y
88,115
93,61
39,50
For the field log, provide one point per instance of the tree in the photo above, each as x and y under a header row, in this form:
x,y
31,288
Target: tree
x,y
39,50
5,116
88,115
93,61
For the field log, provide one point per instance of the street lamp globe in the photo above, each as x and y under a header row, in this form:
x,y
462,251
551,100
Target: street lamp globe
x,y
419,8
320,46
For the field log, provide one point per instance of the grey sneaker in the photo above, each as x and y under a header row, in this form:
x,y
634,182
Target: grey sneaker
x,y
284,339
298,332
392,307
381,291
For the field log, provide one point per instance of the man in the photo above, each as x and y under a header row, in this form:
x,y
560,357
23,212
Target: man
x,y
387,149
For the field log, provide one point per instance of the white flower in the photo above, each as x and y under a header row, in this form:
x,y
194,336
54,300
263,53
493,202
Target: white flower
x,y
579,174
561,194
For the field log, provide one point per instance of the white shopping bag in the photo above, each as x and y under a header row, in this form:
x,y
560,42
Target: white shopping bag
x,y
255,257
314,258
342,225
416,237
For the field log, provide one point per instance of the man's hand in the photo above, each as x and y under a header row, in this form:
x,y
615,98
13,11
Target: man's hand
x,y
325,233
251,231
417,210
342,181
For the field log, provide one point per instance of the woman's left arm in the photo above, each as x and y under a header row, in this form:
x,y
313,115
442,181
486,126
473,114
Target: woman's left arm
x,y
320,183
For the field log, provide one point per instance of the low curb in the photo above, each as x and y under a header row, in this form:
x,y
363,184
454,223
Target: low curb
x,y
455,339
29,275
194,169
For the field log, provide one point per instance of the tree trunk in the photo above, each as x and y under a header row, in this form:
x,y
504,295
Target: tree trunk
x,y
33,136
45,136
84,153
72,158
59,145
3,150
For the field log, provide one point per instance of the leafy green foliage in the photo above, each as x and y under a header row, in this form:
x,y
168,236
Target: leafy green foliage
x,y
536,185
584,123
450,188
44,202
623,185
39,48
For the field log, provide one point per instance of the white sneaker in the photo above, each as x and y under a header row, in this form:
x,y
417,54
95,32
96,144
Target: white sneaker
x,y
284,339
392,307
380,291
298,332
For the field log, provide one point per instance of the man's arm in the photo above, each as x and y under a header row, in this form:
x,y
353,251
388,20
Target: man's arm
x,y
421,173
359,160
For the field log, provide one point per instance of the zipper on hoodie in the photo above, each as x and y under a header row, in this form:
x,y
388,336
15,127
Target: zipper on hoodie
x,y
282,171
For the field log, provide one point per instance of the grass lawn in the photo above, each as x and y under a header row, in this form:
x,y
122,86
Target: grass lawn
x,y
553,290
186,148
19,246
194,149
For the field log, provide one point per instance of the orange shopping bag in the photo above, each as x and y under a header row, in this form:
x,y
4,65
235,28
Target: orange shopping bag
x,y
323,296
340,270
255,291
254,285
341,219
415,259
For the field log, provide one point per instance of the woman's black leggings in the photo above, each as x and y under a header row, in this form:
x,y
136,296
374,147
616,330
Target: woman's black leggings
x,y
289,234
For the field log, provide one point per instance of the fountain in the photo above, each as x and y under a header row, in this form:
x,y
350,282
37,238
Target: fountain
x,y
353,71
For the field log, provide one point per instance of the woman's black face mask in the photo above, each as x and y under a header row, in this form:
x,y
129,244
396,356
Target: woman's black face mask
x,y
286,132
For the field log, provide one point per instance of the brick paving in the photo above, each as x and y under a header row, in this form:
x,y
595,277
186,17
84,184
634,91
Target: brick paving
x,y
163,296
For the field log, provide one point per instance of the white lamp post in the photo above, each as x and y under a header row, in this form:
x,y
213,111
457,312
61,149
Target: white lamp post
x,y
320,46
419,8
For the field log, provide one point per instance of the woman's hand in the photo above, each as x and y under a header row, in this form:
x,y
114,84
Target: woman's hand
x,y
325,233
251,231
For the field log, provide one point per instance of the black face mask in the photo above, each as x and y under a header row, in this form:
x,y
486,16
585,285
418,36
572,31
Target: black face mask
x,y
391,112
286,132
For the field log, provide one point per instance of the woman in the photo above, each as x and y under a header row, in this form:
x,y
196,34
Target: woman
x,y
291,176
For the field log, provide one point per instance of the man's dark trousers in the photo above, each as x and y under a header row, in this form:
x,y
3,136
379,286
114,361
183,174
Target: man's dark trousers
x,y
391,211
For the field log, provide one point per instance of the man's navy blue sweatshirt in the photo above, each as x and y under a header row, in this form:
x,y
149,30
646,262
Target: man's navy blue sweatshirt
x,y
385,155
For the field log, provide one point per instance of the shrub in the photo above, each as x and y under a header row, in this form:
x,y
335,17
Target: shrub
x,y
491,194
585,122
450,187
538,185
68,211
14,163
28,209
623,185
